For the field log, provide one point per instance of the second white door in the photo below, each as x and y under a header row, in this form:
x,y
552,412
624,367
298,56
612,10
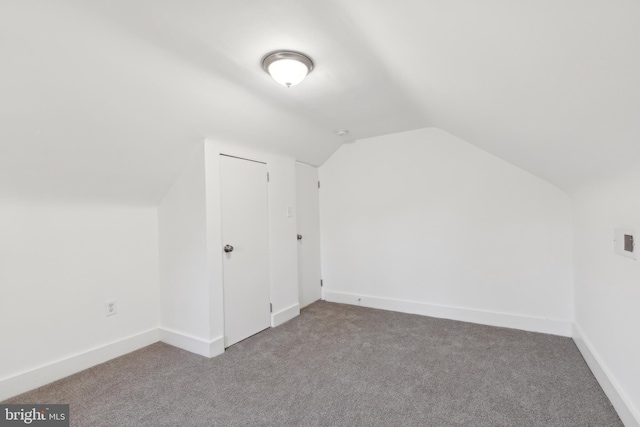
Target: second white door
x,y
245,252
308,207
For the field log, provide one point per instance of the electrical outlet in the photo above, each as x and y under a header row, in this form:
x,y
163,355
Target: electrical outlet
x,y
110,307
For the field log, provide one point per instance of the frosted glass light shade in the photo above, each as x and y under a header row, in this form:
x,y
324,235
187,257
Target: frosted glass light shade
x,y
287,68
288,72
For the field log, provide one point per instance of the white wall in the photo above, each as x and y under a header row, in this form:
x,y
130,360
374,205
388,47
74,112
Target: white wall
x,y
283,267
58,265
184,278
607,288
424,222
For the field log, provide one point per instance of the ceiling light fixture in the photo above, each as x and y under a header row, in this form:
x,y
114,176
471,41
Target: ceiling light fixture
x,y
287,67
342,132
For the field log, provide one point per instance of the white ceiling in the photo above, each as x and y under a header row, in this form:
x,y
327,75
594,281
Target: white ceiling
x,y
103,100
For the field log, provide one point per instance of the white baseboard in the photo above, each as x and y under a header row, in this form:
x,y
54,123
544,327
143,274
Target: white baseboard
x,y
285,315
506,320
627,412
192,344
34,378
216,347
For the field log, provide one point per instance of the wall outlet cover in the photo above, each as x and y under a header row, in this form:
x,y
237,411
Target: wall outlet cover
x,y
110,307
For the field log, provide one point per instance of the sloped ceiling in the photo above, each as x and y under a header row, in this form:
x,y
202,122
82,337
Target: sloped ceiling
x,y
104,100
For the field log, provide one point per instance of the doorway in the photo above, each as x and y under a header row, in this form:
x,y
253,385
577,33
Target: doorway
x,y
245,239
308,208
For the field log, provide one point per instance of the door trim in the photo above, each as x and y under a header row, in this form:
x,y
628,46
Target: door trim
x,y
243,158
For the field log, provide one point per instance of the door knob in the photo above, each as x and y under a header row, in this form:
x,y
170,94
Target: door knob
x,y
299,236
228,248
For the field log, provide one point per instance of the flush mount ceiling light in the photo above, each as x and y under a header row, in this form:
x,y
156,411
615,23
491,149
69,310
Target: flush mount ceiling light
x,y
287,67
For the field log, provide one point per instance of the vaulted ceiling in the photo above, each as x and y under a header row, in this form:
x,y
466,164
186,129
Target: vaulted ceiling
x,y
104,100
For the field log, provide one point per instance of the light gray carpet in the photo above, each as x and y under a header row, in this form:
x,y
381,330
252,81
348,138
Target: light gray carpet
x,y
339,365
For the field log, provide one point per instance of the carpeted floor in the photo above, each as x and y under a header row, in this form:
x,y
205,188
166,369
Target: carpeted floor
x,y
339,365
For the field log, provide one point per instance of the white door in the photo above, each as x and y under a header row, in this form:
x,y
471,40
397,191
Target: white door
x,y
308,207
245,252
